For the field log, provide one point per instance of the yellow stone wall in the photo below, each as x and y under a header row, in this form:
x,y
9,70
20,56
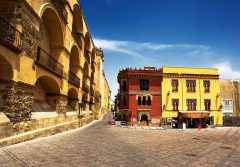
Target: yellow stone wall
x,y
26,70
183,95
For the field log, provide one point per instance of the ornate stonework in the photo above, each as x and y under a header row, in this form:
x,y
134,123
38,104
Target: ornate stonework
x,y
58,102
17,103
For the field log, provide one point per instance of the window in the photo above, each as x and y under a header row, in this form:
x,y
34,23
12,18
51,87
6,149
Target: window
x,y
139,100
191,85
191,103
206,84
175,104
144,84
124,86
174,85
227,102
124,100
207,104
149,101
144,101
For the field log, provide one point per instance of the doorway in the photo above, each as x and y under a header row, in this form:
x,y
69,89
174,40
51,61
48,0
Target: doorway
x,y
144,120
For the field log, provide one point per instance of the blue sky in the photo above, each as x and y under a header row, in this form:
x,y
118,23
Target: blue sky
x,y
138,33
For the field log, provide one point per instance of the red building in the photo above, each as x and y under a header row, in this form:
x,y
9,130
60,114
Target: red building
x,y
140,96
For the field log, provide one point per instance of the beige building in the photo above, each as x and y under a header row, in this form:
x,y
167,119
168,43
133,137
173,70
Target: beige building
x,y
50,70
230,92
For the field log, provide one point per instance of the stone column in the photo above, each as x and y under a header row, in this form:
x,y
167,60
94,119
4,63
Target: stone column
x,y
58,102
17,104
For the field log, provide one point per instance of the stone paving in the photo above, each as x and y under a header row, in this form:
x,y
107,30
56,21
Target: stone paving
x,y
103,145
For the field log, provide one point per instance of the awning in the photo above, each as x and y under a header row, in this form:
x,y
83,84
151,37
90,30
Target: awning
x,y
194,114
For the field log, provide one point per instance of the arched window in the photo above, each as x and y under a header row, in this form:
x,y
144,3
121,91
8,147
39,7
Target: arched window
x,y
144,101
124,100
139,100
149,101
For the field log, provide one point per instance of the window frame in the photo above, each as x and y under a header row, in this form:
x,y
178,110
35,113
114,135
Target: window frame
x,y
206,85
207,107
175,85
144,84
192,104
175,104
191,85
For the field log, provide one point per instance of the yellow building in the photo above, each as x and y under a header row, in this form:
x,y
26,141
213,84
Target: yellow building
x,y
50,69
191,96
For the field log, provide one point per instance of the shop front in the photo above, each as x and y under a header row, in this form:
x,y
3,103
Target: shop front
x,y
193,119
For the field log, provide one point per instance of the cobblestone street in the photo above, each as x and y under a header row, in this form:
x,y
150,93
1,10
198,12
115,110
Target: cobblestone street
x,y
103,145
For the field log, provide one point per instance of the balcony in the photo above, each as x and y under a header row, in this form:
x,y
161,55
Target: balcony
x,y
59,4
85,88
17,41
73,79
87,55
49,63
77,36
91,91
10,36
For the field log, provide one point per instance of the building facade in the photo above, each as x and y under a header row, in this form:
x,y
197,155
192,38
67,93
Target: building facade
x,y
230,92
191,96
50,69
170,97
140,96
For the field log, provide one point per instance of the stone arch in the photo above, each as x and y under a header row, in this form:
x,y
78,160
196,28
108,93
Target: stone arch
x,y
77,19
46,89
88,42
144,120
48,84
52,32
74,61
72,99
73,93
54,27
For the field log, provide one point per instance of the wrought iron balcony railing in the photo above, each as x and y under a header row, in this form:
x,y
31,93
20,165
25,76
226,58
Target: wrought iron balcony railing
x,y
72,78
15,40
85,87
10,36
48,62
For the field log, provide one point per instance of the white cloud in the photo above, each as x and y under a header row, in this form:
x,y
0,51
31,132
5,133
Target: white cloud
x,y
144,51
226,71
118,46
159,54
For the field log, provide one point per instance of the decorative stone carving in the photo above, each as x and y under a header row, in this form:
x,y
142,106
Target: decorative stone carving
x,y
17,103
